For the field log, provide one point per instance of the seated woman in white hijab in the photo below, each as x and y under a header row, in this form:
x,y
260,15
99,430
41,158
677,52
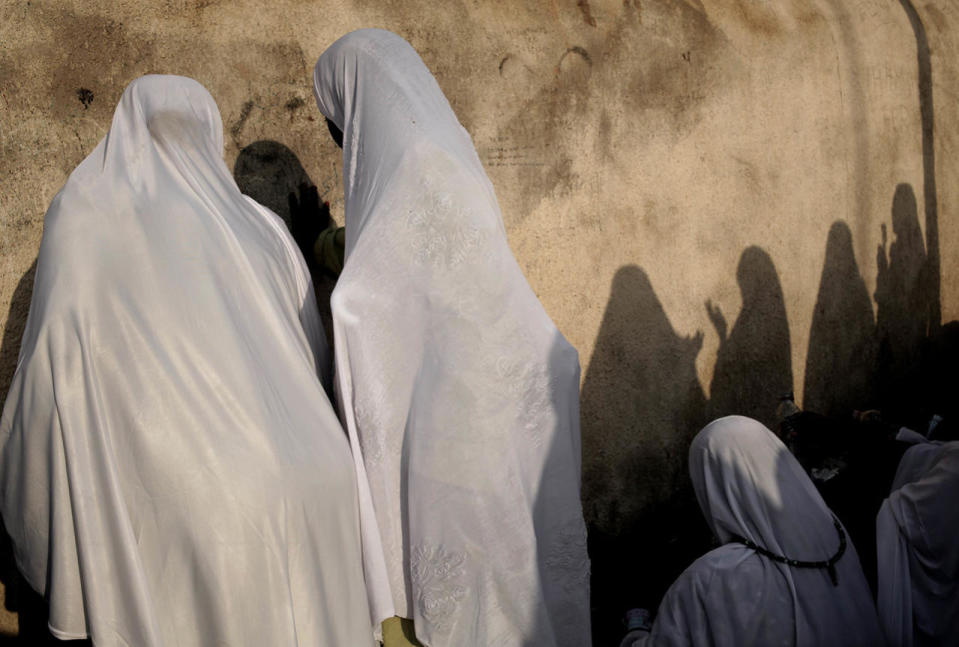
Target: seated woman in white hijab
x,y
917,540
457,389
785,574
171,471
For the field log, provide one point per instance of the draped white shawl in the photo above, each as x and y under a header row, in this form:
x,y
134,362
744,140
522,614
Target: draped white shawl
x,y
171,470
453,380
749,485
917,537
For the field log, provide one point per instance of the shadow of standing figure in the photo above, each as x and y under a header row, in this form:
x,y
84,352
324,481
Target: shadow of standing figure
x,y
842,340
269,172
903,306
272,174
641,404
754,363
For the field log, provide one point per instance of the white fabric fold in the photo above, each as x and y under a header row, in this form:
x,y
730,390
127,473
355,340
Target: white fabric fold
x,y
916,536
750,486
455,384
171,470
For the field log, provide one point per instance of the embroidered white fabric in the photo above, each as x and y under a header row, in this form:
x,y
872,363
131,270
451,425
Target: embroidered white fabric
x,y
172,471
916,532
456,388
749,485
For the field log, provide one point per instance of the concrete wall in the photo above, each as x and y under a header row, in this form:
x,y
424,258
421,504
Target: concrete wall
x,y
717,200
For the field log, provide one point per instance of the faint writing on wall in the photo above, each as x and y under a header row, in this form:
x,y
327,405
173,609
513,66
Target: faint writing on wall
x,y
501,152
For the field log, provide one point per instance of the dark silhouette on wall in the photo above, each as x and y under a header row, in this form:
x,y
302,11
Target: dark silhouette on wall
x,y
903,309
927,117
641,404
269,172
754,362
272,174
841,359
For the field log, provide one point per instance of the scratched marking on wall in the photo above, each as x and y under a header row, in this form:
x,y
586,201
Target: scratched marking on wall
x,y
502,152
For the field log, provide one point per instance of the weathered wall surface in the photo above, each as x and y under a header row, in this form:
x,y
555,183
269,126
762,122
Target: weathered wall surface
x,y
718,201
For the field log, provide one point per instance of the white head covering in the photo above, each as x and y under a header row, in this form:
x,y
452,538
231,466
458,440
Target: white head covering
x,y
917,537
171,470
749,486
454,381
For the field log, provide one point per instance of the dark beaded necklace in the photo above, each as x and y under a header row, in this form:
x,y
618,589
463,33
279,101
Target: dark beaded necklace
x,y
829,564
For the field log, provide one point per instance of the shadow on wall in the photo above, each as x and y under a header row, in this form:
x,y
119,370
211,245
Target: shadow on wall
x,y
272,174
754,362
635,484
842,340
904,309
641,404
269,172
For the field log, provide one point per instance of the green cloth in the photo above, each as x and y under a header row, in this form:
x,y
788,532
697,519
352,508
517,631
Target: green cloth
x,y
398,632
329,249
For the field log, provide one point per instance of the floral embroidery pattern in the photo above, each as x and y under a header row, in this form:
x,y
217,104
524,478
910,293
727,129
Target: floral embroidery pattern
x,y
437,578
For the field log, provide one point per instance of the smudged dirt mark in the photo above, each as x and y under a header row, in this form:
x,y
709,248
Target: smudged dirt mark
x,y
685,65
282,62
85,96
587,14
502,63
237,126
760,19
294,104
638,65
97,54
604,139
575,49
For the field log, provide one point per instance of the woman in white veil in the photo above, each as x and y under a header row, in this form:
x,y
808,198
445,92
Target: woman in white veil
x,y
917,537
785,574
456,388
171,470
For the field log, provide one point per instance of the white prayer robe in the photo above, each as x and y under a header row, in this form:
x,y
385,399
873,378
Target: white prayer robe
x,y
456,388
171,470
749,485
917,541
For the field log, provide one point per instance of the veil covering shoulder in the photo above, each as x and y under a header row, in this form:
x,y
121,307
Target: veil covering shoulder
x,y
171,470
751,489
457,390
916,531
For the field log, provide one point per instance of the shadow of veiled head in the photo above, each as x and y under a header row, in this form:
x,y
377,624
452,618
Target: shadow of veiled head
x,y
905,303
754,363
905,221
841,358
758,280
269,172
641,404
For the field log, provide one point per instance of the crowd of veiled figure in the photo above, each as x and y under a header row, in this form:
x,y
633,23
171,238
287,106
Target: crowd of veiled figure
x,y
185,462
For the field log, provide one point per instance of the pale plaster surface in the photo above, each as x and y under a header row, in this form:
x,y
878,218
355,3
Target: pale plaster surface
x,y
642,151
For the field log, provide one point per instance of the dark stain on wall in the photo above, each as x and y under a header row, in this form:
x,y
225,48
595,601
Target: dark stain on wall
x,y
237,128
587,14
85,96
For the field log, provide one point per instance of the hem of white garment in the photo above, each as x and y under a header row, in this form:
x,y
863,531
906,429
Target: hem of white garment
x,y
66,635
